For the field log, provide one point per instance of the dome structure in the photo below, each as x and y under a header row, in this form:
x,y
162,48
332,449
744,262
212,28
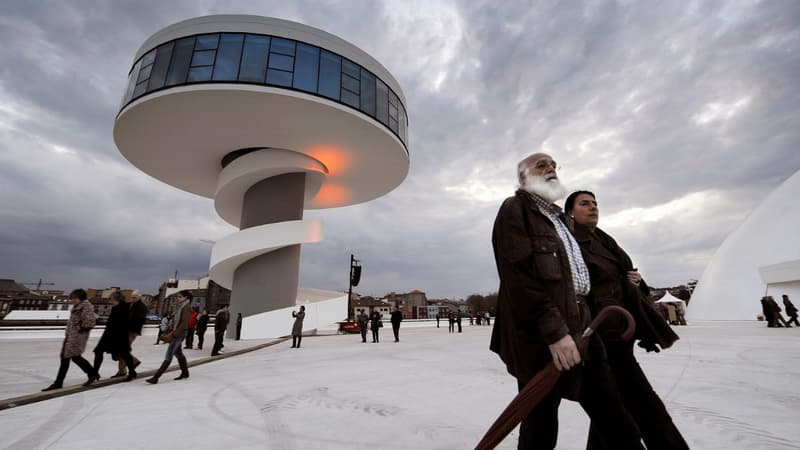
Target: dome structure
x,y
754,260
268,117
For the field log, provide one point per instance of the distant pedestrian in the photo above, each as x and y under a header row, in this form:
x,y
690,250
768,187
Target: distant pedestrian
x,y
451,320
471,320
363,324
175,336
777,312
163,326
791,310
115,339
190,331
458,321
375,323
220,325
137,315
200,329
437,320
297,328
80,324
479,319
396,318
488,318
238,326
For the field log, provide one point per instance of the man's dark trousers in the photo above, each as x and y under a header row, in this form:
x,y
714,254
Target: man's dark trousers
x,y
218,336
599,397
396,331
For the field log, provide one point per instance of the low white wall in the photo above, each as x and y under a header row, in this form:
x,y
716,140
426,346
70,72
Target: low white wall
x,y
277,323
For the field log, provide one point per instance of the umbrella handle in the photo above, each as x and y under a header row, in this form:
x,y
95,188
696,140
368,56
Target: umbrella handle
x,y
630,324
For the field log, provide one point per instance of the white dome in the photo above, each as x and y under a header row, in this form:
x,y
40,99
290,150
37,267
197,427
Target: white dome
x,y
731,287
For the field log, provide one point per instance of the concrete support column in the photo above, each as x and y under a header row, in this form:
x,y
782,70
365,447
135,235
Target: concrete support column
x,y
269,281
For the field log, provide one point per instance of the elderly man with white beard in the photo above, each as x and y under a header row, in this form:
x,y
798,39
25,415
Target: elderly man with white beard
x,y
541,311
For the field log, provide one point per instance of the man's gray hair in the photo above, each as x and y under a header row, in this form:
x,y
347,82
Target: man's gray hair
x,y
523,167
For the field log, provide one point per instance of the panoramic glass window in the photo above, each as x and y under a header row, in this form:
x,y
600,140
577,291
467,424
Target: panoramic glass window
x,y
267,60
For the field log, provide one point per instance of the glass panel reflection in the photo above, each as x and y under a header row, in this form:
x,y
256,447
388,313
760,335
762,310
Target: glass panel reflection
x,y
254,58
181,58
330,74
226,66
279,77
306,67
199,74
207,42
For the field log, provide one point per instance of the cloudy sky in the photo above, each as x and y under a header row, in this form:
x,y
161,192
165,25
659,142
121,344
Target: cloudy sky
x,y
681,116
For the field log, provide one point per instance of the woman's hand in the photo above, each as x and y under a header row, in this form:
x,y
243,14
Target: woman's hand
x,y
634,277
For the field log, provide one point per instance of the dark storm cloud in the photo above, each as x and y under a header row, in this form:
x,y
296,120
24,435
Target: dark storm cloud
x,y
681,116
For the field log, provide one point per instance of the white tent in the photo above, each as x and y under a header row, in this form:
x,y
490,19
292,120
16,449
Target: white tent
x,y
669,298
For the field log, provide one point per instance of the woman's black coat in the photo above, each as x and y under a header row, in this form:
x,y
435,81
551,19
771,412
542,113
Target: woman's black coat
x,y
115,337
608,266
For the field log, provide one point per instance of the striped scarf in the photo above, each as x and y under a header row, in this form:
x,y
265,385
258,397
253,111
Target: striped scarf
x,y
580,273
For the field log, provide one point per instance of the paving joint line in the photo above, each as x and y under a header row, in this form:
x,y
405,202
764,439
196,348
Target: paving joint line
x,y
36,397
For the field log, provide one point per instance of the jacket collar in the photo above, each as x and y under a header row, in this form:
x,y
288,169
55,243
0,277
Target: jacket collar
x,y
591,243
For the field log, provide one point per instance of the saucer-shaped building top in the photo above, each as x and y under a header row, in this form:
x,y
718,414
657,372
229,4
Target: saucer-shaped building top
x,y
761,257
268,117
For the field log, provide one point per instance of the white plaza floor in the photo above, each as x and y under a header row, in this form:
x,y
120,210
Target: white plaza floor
x,y
728,385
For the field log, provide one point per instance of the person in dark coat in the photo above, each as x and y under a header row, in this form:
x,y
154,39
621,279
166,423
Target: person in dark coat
x,y
80,324
541,312
220,325
458,321
375,323
115,339
451,320
396,318
791,310
776,313
297,328
137,315
202,326
238,326
437,320
177,334
616,282
363,324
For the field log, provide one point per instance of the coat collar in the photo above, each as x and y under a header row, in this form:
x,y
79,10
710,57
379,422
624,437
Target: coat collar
x,y
591,243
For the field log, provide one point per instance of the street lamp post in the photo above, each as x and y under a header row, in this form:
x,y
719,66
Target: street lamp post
x,y
355,277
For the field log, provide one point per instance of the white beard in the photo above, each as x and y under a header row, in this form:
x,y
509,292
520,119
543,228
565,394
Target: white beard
x,y
551,190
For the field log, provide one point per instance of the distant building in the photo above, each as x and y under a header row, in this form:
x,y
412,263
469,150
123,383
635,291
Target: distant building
x,y
206,295
10,288
408,303
369,304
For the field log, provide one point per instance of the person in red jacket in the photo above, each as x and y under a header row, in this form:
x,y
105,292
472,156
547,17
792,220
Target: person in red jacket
x,y
192,325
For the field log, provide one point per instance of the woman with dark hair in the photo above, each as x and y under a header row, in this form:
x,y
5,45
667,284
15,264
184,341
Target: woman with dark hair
x,y
615,281
80,324
115,337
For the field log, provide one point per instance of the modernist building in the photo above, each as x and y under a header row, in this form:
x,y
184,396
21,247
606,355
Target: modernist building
x,y
267,117
761,257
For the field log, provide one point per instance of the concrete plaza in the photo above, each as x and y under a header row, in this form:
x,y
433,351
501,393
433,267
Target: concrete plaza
x,y
728,385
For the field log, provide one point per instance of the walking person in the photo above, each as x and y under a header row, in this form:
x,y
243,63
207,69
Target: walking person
x,y
451,320
363,324
437,319
488,318
80,324
544,282
163,326
375,323
776,311
396,318
137,315
458,320
615,282
115,339
791,310
238,326
191,326
175,336
220,325
297,328
202,326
